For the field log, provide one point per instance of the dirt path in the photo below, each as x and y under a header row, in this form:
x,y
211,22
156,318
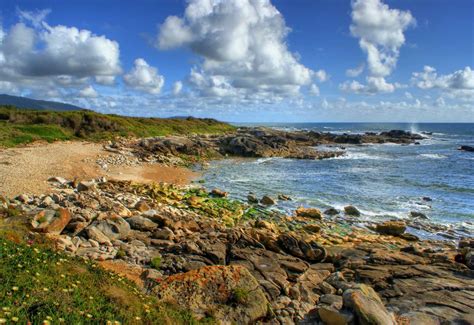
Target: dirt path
x,y
27,169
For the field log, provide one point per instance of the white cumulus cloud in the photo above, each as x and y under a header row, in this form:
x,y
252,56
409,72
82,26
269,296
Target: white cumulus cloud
x,y
380,30
177,87
458,80
88,92
355,72
144,77
243,47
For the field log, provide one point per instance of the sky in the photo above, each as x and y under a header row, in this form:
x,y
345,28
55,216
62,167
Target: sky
x,y
245,60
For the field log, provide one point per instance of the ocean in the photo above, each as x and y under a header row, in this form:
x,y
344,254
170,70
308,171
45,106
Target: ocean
x,y
385,181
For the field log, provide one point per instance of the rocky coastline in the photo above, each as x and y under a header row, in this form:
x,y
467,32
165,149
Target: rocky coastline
x,y
241,263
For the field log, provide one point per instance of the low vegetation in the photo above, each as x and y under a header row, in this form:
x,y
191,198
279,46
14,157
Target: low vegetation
x,y
20,126
41,286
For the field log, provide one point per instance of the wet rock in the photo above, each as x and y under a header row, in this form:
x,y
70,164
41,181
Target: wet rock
x,y
419,215
229,293
331,212
50,221
267,200
466,148
309,213
284,197
219,193
141,223
351,211
394,228
251,198
367,306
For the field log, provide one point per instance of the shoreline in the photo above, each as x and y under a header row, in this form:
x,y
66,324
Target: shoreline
x,y
243,261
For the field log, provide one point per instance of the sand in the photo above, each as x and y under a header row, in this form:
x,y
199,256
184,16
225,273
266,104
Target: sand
x,y
26,170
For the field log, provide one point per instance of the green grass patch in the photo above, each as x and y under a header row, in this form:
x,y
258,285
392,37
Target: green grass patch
x,y
40,285
21,126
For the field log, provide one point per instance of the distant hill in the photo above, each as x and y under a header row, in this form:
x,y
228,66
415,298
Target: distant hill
x,y
24,102
21,125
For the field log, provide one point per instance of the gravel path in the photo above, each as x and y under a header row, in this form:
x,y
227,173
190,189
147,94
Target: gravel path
x,y
27,169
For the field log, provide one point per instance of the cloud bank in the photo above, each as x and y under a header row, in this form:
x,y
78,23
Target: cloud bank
x,y
243,48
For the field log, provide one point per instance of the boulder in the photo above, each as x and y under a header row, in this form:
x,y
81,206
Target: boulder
x,y
284,197
113,227
85,186
164,233
251,198
267,200
394,228
50,221
332,316
305,249
351,211
95,234
331,212
367,306
309,213
142,206
229,293
141,223
466,148
418,215
219,193
312,228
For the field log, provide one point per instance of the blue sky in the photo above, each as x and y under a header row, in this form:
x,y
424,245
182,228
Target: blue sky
x,y
245,60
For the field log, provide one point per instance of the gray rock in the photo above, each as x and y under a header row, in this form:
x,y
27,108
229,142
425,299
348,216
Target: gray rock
x,y
141,223
113,228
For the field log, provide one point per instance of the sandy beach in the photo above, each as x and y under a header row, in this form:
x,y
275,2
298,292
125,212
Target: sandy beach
x,y
27,169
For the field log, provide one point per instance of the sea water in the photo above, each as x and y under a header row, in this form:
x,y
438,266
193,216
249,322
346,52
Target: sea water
x,y
385,181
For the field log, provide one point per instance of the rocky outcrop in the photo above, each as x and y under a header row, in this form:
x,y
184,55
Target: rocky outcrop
x,y
367,306
230,294
214,253
253,142
466,148
394,228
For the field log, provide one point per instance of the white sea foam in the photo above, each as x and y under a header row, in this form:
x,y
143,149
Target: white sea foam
x,y
433,156
360,156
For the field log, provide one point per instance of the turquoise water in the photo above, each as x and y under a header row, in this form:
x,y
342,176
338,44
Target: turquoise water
x,y
383,181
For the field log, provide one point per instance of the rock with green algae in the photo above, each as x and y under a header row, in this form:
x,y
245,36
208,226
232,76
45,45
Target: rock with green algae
x,y
229,293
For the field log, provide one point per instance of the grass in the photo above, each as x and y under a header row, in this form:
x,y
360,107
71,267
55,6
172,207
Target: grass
x,y
41,286
156,262
21,126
